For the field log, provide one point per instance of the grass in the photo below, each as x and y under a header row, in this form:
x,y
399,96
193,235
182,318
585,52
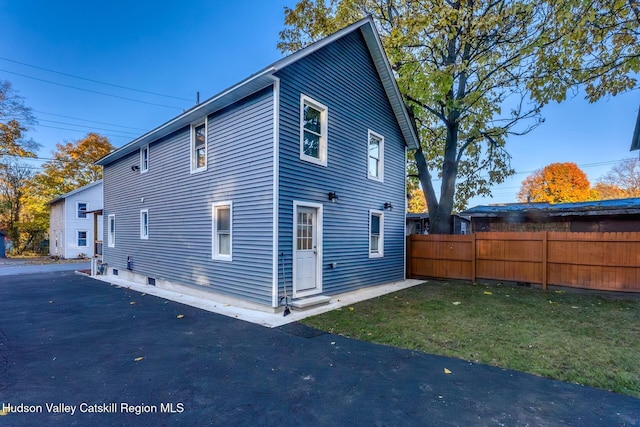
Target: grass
x,y
580,338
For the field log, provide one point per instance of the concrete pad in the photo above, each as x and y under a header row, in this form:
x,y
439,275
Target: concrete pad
x,y
270,320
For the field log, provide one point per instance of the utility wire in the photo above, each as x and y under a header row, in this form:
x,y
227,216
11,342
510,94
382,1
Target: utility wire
x,y
94,81
89,121
95,128
92,91
84,131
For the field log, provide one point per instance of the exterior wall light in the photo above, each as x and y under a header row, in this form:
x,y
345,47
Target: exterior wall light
x,y
333,197
387,206
135,168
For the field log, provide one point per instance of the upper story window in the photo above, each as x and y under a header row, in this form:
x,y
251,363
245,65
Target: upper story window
x,y
222,231
313,131
376,156
111,231
144,224
199,147
144,159
376,234
81,210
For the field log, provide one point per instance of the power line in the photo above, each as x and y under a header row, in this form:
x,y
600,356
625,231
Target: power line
x,y
91,91
89,121
84,131
95,128
94,81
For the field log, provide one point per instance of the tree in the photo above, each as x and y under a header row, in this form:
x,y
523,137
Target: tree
x,y
72,166
14,179
14,121
608,191
593,44
623,180
417,202
557,183
474,73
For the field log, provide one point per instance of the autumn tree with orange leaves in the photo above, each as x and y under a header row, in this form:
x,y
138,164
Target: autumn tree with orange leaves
x,y
557,183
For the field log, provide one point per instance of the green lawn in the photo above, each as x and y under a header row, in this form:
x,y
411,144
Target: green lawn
x,y
580,338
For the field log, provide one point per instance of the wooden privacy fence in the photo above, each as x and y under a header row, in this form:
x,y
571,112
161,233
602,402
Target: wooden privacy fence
x,y
604,261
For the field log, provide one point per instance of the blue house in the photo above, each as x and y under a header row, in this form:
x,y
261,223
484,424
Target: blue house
x,y
293,177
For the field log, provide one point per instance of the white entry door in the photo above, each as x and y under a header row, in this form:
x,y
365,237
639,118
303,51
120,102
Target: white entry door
x,y
307,251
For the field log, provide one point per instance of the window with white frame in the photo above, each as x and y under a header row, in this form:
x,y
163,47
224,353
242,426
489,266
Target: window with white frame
x,y
376,156
376,234
82,238
144,159
313,131
144,224
111,231
199,147
81,210
222,230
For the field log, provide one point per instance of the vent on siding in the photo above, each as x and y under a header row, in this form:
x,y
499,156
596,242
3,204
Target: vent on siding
x,y
151,281
115,271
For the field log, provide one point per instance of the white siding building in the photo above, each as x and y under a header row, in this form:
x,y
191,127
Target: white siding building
x,y
71,225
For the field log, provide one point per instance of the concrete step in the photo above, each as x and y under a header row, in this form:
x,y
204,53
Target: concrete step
x,y
303,303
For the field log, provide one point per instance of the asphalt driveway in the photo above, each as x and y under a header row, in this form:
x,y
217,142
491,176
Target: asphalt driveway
x,y
111,356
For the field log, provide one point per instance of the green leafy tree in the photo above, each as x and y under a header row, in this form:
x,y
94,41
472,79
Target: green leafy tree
x,y
15,118
474,73
593,44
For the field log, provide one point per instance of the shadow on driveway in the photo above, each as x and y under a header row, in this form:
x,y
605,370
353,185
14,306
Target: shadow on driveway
x,y
70,340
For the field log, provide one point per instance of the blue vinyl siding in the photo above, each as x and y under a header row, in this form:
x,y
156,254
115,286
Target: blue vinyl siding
x,y
342,77
179,248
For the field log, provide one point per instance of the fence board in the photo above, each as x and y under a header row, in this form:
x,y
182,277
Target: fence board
x,y
604,261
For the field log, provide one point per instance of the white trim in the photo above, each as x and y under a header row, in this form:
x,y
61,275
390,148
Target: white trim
x,y
86,208
318,207
111,238
144,148
144,234
380,177
214,232
192,145
380,252
324,137
406,209
276,166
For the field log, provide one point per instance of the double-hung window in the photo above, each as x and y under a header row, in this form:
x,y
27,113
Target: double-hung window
x,y
144,159
199,147
222,230
376,156
376,234
313,131
82,238
144,224
81,210
111,231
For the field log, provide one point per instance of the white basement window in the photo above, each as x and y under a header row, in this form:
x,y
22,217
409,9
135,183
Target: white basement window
x,y
222,231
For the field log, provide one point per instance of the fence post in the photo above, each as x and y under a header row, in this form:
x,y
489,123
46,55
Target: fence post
x,y
545,248
473,257
409,254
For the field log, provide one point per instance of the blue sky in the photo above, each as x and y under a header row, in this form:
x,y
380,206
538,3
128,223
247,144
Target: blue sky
x,y
178,49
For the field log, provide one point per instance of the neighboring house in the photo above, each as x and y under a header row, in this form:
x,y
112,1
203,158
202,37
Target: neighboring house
x,y
2,245
418,223
294,176
601,216
71,222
